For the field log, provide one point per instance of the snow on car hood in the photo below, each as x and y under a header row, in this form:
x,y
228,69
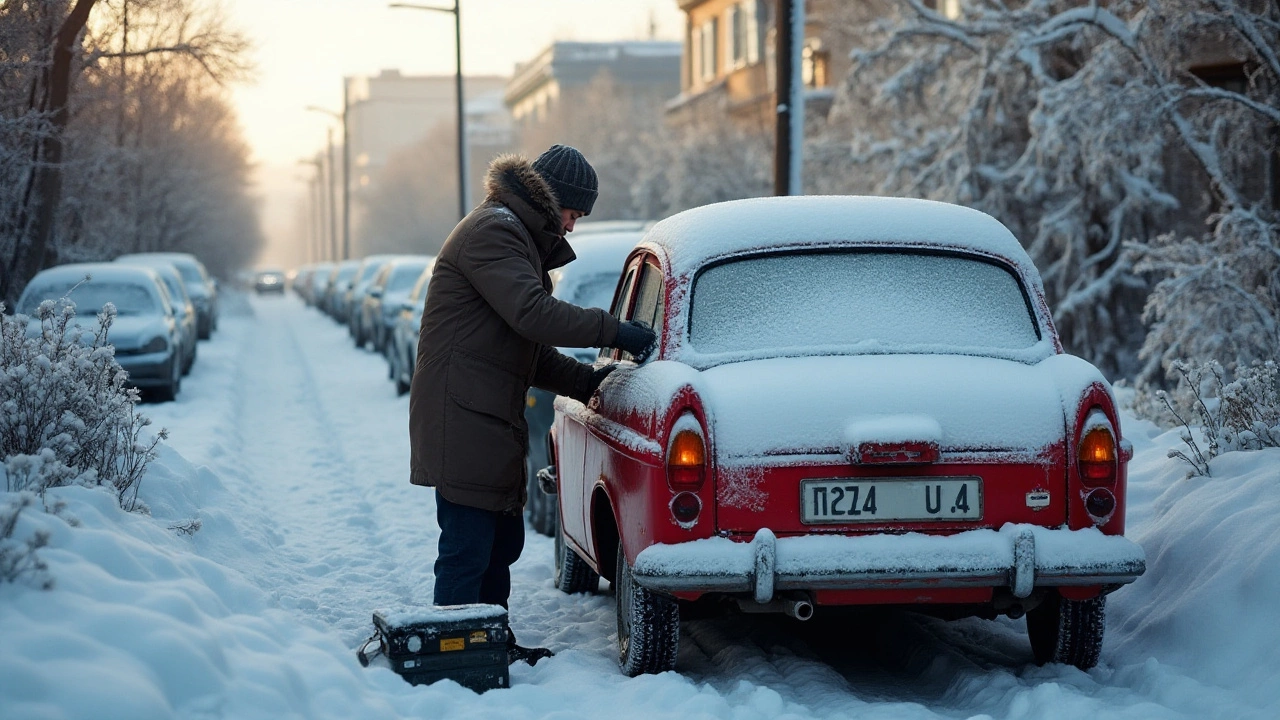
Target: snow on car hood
x,y
819,405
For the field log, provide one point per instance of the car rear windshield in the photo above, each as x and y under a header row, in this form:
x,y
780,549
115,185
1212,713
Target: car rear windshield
x,y
89,298
870,301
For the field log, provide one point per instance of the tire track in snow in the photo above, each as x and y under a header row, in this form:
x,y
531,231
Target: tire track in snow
x,y
304,525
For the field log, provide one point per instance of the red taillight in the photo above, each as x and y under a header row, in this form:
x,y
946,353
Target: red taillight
x,y
687,461
1097,457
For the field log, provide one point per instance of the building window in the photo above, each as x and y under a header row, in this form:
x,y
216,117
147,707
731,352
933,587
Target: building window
x,y
949,9
814,62
744,40
707,62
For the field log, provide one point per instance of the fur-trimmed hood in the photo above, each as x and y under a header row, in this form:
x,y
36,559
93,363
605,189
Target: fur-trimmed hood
x,y
513,177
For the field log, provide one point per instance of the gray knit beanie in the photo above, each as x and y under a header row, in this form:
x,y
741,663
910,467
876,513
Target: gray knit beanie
x,y
570,176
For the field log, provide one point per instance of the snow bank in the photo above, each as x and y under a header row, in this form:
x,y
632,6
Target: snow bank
x,y
1208,604
139,626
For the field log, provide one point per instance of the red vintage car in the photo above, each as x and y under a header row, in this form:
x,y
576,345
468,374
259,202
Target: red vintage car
x,y
854,401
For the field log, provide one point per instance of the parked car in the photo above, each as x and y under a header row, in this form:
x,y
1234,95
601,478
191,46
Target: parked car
x,y
382,302
269,281
319,280
588,281
302,282
145,333
402,352
183,310
202,289
853,401
354,299
340,279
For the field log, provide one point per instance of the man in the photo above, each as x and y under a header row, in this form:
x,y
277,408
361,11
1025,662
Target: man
x,y
489,332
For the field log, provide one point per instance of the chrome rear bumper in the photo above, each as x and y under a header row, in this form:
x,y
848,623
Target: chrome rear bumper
x,y
1020,557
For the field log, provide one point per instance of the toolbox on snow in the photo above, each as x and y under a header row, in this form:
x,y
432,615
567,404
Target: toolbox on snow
x,y
463,643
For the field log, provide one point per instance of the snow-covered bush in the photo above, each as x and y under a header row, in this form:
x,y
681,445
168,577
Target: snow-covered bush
x,y
18,557
1243,414
68,416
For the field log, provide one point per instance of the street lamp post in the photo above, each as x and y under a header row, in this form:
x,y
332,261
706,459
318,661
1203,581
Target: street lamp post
x,y
315,188
345,253
464,202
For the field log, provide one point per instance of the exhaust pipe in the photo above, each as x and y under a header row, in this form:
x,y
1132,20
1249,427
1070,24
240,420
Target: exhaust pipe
x,y
798,608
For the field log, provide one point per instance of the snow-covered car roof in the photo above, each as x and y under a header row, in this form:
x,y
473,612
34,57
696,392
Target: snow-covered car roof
x,y
693,238
100,272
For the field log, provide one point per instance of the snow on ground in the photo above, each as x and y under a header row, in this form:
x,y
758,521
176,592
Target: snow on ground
x,y
291,448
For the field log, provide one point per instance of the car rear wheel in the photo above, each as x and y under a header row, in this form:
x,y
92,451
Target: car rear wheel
x,y
648,625
573,574
1067,631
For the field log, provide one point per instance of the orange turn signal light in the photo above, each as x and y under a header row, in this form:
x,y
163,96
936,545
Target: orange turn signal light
x,y
1098,456
687,460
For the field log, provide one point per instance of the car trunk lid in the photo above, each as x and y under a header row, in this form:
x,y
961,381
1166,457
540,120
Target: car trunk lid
x,y
909,429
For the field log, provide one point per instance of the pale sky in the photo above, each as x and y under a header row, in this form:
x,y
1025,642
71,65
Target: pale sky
x,y
302,49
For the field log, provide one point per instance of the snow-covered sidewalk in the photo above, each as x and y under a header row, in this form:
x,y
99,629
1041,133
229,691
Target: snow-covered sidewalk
x,y
291,449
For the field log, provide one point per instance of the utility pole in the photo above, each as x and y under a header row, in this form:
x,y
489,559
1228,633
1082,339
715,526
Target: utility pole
x,y
464,159
333,204
346,171
788,156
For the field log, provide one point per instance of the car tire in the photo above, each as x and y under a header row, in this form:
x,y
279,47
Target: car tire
x,y
573,574
1067,631
648,625
170,392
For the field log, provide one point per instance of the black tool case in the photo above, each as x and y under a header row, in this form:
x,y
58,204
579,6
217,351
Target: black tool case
x,y
463,643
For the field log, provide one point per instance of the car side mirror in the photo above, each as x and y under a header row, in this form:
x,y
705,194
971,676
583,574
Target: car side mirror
x,y
375,292
406,305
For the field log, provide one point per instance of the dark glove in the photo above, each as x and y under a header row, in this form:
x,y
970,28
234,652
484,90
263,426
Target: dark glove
x,y
635,338
597,376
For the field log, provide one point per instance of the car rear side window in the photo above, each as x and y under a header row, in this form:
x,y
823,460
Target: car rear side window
x,y
620,305
859,301
648,305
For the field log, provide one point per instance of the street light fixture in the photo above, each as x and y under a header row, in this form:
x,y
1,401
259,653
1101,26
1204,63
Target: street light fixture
x,y
346,177
464,202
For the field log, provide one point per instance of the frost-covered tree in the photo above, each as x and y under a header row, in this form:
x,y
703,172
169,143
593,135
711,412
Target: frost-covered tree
x,y
1081,126
116,135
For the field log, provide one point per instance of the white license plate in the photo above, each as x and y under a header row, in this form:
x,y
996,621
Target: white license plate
x,y
859,501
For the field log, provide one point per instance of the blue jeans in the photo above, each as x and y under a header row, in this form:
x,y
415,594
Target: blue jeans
x,y
476,551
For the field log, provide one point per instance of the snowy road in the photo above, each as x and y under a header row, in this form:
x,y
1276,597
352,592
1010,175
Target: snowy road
x,y
312,504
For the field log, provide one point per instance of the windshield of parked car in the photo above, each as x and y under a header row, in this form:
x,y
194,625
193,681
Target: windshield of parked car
x,y
89,297
591,291
190,272
403,277
368,270
867,301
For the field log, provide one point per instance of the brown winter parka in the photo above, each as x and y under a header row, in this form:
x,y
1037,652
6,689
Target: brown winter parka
x,y
489,332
